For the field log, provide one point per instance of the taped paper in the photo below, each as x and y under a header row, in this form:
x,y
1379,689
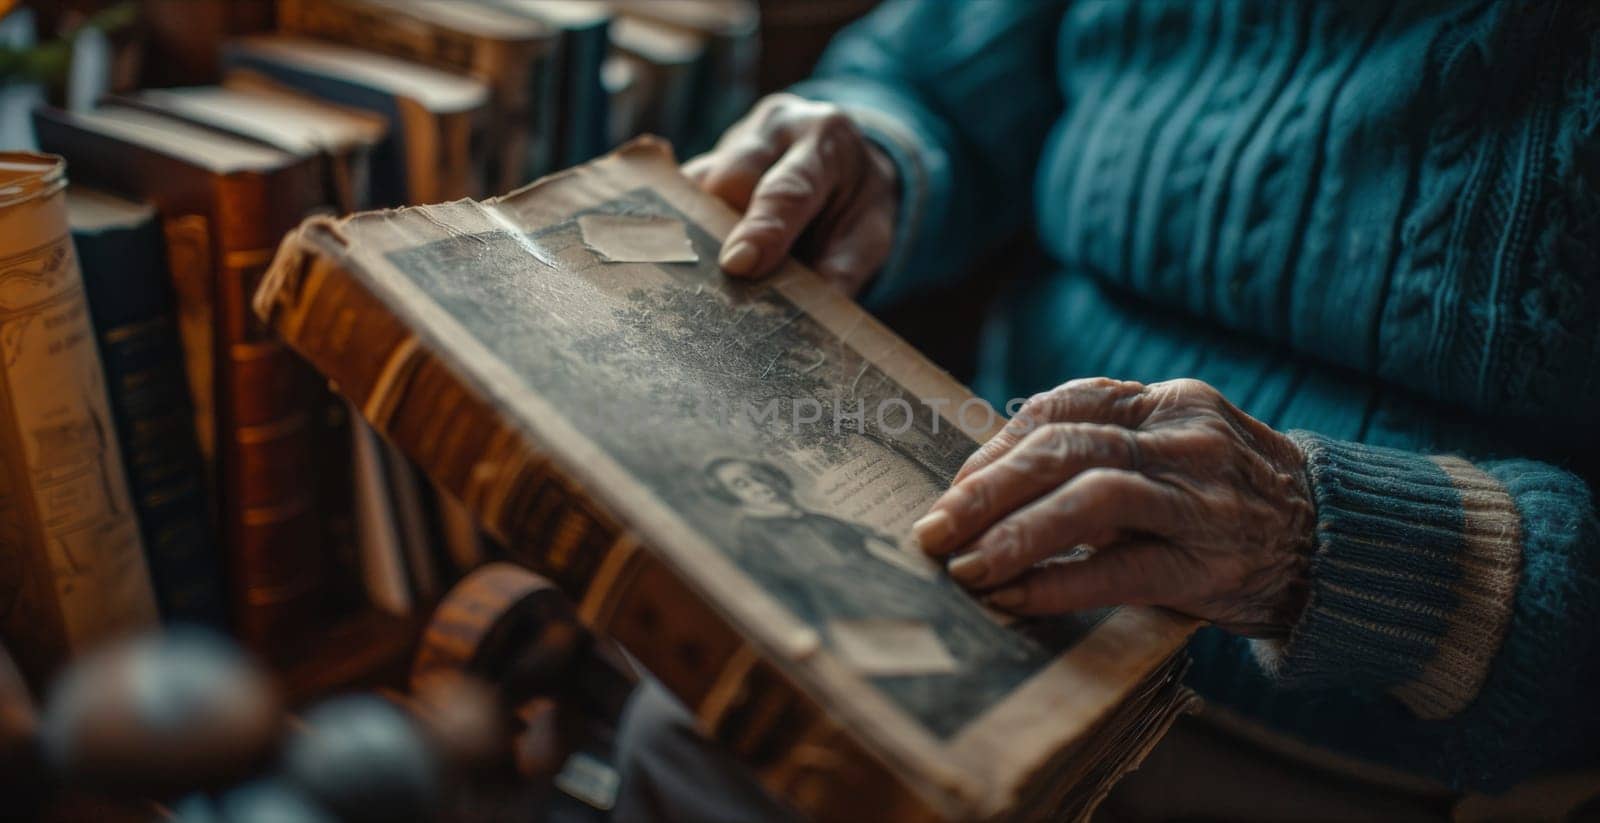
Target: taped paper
x,y
629,239
886,647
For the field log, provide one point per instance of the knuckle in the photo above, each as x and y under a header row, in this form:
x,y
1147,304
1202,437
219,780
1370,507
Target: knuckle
x,y
764,227
1095,384
831,121
1099,486
970,499
747,153
1041,407
1191,389
789,189
1106,445
1006,544
773,106
1048,446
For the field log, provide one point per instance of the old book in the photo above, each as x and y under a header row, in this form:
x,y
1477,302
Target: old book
x,y
581,49
664,65
725,81
123,257
434,150
513,55
72,570
723,475
224,204
341,138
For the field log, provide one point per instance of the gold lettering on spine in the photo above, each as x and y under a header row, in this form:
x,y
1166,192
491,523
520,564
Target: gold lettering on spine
x,y
189,261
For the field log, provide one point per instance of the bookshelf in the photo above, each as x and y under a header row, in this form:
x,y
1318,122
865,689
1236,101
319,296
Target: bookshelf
x,y
195,133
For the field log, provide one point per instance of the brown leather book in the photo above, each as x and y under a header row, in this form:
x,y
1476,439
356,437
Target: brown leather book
x,y
723,475
225,203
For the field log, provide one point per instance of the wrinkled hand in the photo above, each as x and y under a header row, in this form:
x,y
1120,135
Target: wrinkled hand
x,y
1104,492
807,181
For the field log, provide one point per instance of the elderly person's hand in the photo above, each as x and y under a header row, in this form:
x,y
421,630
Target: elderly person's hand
x,y
807,181
1103,492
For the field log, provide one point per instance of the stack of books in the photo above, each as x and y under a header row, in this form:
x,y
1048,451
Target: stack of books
x,y
249,496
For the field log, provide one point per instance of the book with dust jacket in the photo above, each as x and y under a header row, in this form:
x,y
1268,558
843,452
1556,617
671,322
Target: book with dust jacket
x,y
723,475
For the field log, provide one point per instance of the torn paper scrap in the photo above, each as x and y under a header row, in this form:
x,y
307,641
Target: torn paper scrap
x,y
885,647
621,238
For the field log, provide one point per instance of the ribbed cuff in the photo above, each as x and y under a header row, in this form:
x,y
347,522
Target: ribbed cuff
x,y
1411,579
898,126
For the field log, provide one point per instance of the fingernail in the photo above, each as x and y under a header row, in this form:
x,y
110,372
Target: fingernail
x,y
969,568
1005,598
740,258
932,530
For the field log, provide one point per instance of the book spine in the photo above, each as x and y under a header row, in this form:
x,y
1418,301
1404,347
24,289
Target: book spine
x,y
585,102
550,523
188,238
268,408
385,30
506,67
72,570
129,302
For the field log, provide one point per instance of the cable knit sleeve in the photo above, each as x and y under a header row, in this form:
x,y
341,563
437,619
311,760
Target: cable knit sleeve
x,y
960,94
1468,591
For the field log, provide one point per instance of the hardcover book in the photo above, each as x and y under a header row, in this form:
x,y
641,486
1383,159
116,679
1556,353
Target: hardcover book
x,y
124,261
224,204
342,139
511,54
723,474
435,146
581,48
665,65
725,79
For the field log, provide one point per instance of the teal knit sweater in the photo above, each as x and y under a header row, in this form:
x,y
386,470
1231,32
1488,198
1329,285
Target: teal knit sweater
x,y
1374,223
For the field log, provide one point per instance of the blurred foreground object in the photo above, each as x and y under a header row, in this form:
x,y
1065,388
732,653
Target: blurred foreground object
x,y
160,714
22,777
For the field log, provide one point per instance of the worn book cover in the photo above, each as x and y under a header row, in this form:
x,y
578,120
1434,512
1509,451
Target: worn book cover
x,y
723,474
72,566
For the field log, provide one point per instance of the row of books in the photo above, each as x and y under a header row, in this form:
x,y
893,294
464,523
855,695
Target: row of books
x,y
262,503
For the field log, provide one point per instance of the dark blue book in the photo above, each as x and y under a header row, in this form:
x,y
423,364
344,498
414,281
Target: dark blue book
x,y
584,43
434,149
123,256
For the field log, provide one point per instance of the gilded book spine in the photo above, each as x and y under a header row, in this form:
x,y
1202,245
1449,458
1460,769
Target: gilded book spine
x,y
553,525
269,404
72,570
